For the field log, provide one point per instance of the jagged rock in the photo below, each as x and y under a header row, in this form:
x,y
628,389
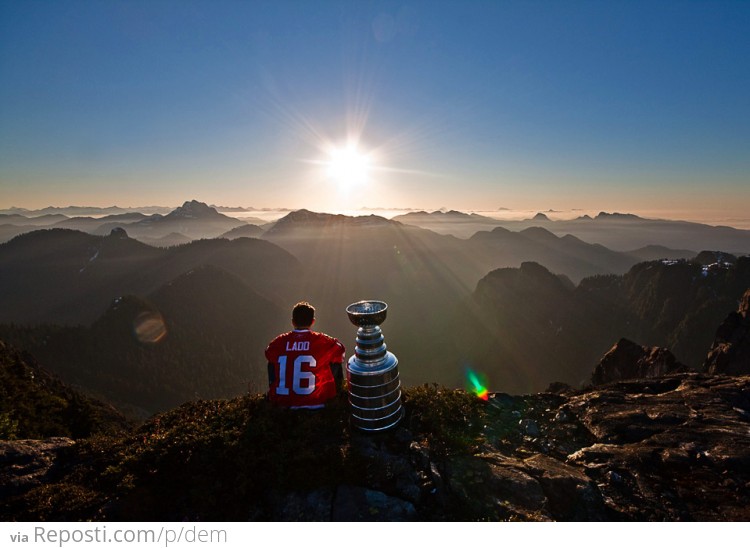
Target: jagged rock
x,y
627,360
354,503
673,443
494,487
529,427
25,464
730,352
570,493
385,468
314,505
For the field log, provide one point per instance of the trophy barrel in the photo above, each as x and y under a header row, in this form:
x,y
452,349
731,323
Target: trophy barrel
x,y
372,372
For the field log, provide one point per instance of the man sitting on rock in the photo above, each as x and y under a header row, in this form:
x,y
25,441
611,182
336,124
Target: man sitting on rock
x,y
304,367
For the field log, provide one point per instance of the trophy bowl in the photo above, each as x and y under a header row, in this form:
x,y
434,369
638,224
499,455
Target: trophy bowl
x,y
367,313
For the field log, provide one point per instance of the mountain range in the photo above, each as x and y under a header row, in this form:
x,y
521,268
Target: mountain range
x,y
525,307
69,277
201,335
617,231
192,220
528,325
97,328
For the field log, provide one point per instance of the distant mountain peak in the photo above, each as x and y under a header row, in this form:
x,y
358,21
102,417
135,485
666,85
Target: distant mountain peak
x,y
540,217
194,210
307,218
118,233
538,232
603,215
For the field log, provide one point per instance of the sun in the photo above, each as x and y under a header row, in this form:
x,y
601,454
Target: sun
x,y
347,166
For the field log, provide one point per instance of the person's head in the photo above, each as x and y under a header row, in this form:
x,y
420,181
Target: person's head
x,y
303,315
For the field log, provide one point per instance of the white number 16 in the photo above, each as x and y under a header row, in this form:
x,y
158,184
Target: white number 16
x,y
299,375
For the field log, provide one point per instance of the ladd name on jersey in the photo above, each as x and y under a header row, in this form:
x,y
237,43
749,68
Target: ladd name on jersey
x,y
297,346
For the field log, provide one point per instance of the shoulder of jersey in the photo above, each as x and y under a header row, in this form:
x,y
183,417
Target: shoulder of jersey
x,y
327,337
279,338
332,342
283,335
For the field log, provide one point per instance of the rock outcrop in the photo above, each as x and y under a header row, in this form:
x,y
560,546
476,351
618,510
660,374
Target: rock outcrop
x,y
671,448
26,464
628,360
730,352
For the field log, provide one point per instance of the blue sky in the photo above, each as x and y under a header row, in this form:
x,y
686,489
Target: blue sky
x,y
472,105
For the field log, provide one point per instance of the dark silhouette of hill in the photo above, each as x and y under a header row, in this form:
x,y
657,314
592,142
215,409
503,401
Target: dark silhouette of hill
x,y
538,328
246,231
200,335
566,255
36,404
11,225
171,239
730,351
8,232
69,277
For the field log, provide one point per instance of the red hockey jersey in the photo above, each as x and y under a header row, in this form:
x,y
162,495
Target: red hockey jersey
x,y
301,362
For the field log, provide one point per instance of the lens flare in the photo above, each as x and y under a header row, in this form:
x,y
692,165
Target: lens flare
x,y
477,383
149,327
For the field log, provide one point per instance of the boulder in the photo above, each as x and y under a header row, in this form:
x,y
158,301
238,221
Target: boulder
x,y
628,360
25,464
354,503
730,352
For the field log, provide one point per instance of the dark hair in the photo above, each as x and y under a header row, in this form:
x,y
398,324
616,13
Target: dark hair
x,y
303,314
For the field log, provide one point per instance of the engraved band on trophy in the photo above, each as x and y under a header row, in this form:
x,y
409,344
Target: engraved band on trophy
x,y
372,372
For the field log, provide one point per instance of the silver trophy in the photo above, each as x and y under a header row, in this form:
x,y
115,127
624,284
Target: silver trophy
x,y
372,372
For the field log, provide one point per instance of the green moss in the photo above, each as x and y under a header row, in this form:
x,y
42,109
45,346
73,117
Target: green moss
x,y
451,420
8,427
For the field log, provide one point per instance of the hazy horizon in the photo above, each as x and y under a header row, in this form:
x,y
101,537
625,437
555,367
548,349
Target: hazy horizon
x,y
269,214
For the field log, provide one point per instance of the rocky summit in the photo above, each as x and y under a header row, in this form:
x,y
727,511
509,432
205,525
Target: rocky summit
x,y
676,447
730,352
628,360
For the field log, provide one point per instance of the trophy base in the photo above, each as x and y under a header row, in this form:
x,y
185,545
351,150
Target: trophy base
x,y
377,425
374,393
